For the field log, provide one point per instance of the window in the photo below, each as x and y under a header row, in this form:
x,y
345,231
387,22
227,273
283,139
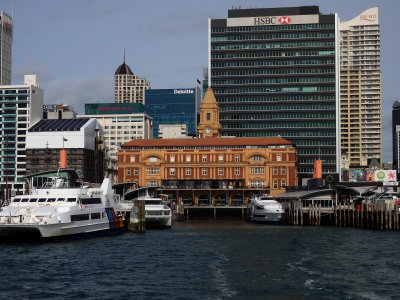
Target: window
x,y
256,158
237,171
153,171
204,171
208,117
82,217
204,158
172,158
275,184
153,159
220,157
283,171
278,157
95,216
257,170
275,171
283,183
188,158
220,171
128,171
86,201
136,171
237,157
133,159
188,171
172,171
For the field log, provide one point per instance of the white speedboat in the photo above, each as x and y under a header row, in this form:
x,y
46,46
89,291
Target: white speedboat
x,y
157,212
264,209
61,208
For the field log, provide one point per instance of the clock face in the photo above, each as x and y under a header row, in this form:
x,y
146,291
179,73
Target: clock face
x,y
208,130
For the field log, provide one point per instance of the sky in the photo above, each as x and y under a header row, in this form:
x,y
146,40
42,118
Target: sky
x,y
75,46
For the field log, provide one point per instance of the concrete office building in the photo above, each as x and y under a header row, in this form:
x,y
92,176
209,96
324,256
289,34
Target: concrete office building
x,y
121,123
360,88
396,136
21,107
6,38
58,111
173,106
274,72
129,88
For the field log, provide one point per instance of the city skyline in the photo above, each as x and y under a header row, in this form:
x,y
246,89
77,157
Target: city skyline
x,y
166,43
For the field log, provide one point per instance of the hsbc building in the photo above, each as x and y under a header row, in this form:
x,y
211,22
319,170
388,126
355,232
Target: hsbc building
x,y
275,72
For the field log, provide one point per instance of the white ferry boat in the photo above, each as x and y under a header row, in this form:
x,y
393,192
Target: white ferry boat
x,y
157,212
61,208
263,208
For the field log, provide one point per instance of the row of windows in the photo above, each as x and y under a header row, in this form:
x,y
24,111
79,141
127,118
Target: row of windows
x,y
278,107
311,161
273,54
281,125
304,89
267,98
286,134
325,116
273,80
261,63
273,45
316,151
273,36
204,158
253,72
274,28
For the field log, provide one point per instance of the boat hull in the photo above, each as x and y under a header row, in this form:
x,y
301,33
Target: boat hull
x,y
56,231
266,217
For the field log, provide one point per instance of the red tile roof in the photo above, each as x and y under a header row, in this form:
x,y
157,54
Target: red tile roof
x,y
212,141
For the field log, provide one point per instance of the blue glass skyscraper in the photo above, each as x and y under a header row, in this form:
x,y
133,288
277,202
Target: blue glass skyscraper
x,y
173,106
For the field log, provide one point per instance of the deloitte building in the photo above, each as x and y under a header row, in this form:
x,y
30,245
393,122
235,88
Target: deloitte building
x,y
274,72
173,107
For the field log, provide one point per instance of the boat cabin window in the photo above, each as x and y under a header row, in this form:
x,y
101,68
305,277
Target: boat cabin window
x,y
81,217
60,199
86,201
51,200
95,216
42,200
33,200
24,200
71,199
17,200
153,202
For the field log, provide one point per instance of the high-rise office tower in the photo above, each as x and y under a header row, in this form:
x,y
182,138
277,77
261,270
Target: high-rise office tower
x,y
21,107
6,37
396,135
360,88
275,72
129,88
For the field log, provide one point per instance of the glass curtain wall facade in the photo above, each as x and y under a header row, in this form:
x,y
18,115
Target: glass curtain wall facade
x,y
274,72
173,106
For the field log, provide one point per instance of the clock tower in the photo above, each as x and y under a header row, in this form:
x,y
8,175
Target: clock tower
x,y
209,125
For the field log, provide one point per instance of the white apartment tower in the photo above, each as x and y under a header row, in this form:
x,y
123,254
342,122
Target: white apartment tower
x,y
360,88
129,88
6,37
21,106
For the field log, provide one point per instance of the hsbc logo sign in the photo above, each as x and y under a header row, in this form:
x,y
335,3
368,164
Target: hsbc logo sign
x,y
284,20
272,20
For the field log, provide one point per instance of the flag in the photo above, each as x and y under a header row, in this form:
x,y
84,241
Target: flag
x,y
64,139
198,81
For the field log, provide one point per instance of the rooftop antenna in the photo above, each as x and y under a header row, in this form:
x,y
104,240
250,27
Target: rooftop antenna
x,y
124,55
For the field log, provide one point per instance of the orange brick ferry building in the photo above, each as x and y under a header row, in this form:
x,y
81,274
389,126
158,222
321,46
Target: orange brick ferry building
x,y
210,170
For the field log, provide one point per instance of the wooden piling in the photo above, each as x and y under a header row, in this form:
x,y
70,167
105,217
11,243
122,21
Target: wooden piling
x,y
137,221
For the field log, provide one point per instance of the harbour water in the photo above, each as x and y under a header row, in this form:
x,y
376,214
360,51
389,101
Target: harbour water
x,y
208,260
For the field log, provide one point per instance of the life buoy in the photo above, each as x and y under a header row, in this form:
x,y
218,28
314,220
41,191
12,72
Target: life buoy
x,y
48,204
